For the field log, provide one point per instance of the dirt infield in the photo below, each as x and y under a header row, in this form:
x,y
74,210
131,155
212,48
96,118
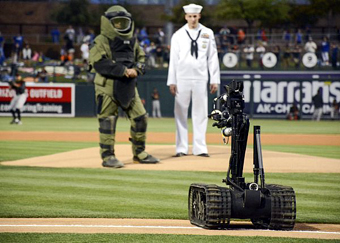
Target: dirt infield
x,y
159,226
89,158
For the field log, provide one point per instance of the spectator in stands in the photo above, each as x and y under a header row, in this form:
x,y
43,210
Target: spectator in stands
x,y
16,53
80,35
35,57
224,31
69,38
70,33
19,39
159,56
2,56
2,53
65,57
241,36
297,56
160,36
5,77
261,35
249,52
42,76
41,58
286,56
298,37
55,33
334,55
286,36
260,50
318,103
325,48
310,46
224,44
166,56
150,52
143,34
308,33
2,40
136,34
85,51
27,53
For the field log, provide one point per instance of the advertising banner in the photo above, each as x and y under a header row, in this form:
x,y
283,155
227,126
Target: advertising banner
x,y
47,100
273,95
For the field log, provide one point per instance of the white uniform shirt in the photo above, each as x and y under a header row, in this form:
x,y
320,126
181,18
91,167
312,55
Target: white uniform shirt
x,y
185,66
310,46
84,48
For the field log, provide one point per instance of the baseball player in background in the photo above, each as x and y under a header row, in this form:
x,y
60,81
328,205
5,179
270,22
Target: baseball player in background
x,y
19,98
193,57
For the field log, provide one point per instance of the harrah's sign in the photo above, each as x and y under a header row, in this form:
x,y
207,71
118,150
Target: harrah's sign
x,y
276,97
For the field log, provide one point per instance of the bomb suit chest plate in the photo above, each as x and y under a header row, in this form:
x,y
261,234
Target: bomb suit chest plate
x,y
123,51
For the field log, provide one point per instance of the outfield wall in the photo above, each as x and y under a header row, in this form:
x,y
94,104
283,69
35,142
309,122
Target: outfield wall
x,y
267,94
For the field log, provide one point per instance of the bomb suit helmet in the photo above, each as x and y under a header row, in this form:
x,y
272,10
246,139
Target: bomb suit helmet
x,y
120,19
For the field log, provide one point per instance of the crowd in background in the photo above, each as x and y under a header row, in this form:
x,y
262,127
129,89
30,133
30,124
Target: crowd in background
x,y
249,49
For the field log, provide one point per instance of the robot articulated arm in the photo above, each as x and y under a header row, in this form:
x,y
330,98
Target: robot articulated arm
x,y
230,118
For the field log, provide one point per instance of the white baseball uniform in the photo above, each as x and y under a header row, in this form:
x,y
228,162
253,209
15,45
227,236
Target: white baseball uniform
x,y
19,97
191,74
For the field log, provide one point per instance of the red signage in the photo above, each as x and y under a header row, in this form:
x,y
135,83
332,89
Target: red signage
x,y
40,99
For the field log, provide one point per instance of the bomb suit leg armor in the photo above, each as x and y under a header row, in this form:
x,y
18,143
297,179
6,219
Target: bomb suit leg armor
x,y
107,113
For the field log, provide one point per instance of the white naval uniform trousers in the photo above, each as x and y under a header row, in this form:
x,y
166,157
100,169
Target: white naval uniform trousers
x,y
191,77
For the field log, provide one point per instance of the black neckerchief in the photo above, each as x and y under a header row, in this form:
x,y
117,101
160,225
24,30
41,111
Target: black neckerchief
x,y
194,47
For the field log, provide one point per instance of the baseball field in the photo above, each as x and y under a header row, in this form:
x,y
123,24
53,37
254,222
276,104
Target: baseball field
x,y
53,188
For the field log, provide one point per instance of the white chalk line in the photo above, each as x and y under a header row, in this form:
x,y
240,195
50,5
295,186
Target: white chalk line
x,y
155,227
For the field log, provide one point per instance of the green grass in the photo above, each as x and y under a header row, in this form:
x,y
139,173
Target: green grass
x,y
13,150
332,152
61,192
167,125
146,238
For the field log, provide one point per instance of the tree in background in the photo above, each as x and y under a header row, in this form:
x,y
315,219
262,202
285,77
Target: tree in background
x,y
269,13
177,16
74,12
83,13
327,9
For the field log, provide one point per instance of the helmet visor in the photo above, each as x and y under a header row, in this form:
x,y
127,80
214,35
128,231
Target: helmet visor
x,y
121,23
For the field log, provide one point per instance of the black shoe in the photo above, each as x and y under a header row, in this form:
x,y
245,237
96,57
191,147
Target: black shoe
x,y
148,160
180,154
203,155
113,163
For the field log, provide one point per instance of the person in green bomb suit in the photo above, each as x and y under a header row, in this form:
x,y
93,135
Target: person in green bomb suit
x,y
117,60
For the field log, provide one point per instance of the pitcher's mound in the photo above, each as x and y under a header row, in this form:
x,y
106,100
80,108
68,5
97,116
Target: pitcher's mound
x,y
218,160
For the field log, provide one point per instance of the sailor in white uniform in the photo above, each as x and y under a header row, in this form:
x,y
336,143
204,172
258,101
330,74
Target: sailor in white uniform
x,y
193,57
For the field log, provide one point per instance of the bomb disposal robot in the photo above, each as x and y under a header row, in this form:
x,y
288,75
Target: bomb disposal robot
x,y
268,206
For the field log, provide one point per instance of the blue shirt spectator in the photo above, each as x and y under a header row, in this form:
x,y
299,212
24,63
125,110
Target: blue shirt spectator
x,y
19,40
55,35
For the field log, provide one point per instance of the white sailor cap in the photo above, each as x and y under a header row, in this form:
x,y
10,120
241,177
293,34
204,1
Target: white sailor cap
x,y
192,9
